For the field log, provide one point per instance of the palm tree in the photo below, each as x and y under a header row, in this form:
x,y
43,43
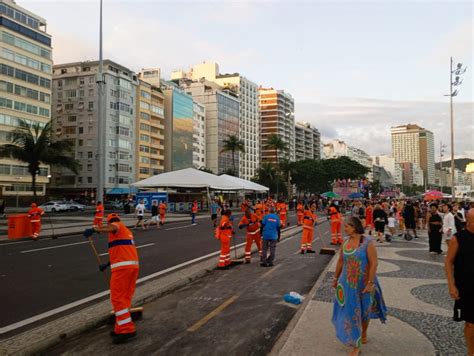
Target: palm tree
x,y
33,145
268,176
276,143
233,144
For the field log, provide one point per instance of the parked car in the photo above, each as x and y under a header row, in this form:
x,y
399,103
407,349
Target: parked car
x,y
74,206
113,205
54,206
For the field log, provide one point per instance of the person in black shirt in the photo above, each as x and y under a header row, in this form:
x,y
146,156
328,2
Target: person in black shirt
x,y
458,218
435,230
459,266
155,219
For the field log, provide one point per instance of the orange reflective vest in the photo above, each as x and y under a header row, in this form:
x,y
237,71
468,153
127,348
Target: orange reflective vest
x,y
99,211
122,250
252,224
299,209
35,214
282,208
225,228
334,215
194,208
162,208
309,219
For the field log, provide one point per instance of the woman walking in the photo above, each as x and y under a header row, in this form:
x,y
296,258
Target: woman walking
x,y
380,219
358,293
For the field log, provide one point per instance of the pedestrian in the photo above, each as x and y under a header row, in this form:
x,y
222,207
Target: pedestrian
x,y
300,213
380,219
309,221
98,214
361,213
123,262
459,266
162,210
459,221
194,210
271,229
154,216
252,225
34,214
409,219
449,227
140,214
215,210
224,233
369,220
435,229
358,295
282,210
2,208
335,220
392,224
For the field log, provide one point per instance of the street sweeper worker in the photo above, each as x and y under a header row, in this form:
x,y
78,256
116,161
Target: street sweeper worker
x,y
34,214
99,214
335,220
224,233
252,224
162,208
300,212
282,211
309,221
123,262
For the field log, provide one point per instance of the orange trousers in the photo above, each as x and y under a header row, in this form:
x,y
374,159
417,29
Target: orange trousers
x,y
35,229
162,218
224,258
300,218
283,220
122,287
336,235
248,246
307,238
97,222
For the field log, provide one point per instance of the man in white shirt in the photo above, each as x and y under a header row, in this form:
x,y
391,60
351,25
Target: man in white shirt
x,y
140,213
449,227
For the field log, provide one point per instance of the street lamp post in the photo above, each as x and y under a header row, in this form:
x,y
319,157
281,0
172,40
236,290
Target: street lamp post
x,y
441,155
458,71
101,140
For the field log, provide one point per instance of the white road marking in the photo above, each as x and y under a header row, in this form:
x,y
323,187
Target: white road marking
x,y
179,227
51,247
106,253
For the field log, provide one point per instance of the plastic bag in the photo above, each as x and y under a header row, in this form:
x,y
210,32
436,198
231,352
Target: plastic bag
x,y
293,298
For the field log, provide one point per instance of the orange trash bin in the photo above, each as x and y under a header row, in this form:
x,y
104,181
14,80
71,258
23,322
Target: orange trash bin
x,y
18,226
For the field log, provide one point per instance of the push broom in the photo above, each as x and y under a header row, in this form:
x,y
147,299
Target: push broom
x,y
325,250
136,312
235,260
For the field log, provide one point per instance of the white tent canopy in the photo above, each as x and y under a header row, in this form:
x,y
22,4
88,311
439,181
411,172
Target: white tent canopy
x,y
194,178
244,184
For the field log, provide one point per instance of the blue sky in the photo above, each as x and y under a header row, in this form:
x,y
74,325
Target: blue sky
x,y
354,68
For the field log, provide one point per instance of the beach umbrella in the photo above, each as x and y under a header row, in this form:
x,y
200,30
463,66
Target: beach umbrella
x,y
356,195
330,195
433,195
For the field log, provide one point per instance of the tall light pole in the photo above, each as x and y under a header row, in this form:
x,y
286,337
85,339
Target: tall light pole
x,y
441,155
101,140
458,71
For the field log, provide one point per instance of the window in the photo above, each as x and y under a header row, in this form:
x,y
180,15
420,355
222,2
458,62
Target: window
x,y
123,131
91,92
69,106
26,45
7,103
26,61
80,142
144,127
91,80
145,94
144,116
90,106
145,138
69,130
71,118
89,142
6,86
144,105
145,149
157,110
124,120
89,167
89,179
81,93
123,155
79,180
25,76
70,93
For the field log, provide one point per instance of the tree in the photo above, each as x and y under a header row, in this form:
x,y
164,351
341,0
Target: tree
x,y
276,143
233,144
268,176
33,145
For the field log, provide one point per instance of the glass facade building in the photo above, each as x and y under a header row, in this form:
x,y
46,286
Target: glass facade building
x,y
228,125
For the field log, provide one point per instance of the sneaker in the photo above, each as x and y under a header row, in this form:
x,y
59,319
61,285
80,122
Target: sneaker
x,y
121,338
433,253
270,264
194,224
310,251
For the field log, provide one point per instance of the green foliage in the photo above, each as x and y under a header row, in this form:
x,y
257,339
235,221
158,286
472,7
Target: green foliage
x,y
233,144
269,176
34,145
276,143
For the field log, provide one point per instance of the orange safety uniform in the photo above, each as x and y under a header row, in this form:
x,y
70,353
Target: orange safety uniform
x,y
35,218
99,215
162,210
194,208
243,206
124,266
309,219
335,219
369,219
224,234
283,211
259,211
252,225
300,213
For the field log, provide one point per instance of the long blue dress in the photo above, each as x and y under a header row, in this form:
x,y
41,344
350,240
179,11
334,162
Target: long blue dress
x,y
351,306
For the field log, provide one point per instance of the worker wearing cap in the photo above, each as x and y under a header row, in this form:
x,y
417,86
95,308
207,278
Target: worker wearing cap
x,y
252,224
34,214
99,214
224,233
300,212
123,261
335,220
162,209
309,220
259,208
282,209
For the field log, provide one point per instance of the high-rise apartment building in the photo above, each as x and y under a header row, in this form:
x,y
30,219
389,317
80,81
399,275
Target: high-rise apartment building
x,y
25,89
222,121
390,165
412,174
199,135
249,118
75,118
149,148
307,141
338,148
276,117
412,143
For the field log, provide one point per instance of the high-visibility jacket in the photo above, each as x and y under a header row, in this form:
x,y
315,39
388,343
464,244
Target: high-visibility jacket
x,y
122,250
259,210
309,219
252,225
225,229
35,214
194,208
99,211
334,214
282,208
162,208
299,209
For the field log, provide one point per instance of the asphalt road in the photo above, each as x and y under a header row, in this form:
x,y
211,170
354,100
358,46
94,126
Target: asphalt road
x,y
37,277
234,312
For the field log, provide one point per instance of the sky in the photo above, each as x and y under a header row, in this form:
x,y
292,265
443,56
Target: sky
x,y
354,68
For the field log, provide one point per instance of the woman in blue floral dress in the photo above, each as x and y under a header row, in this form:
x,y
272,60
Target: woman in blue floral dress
x,y
358,294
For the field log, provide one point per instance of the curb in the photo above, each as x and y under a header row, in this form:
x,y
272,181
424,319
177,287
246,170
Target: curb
x,y
38,339
283,338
